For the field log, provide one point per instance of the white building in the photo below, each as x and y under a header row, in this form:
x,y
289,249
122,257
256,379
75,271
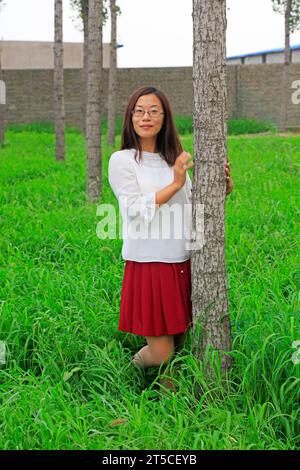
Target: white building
x,y
270,56
39,55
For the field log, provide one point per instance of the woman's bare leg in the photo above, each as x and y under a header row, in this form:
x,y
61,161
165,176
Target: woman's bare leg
x,y
158,351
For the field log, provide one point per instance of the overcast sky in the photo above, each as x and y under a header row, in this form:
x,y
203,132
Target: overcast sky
x,y
154,33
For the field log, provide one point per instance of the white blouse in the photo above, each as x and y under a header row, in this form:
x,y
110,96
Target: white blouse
x,y
150,232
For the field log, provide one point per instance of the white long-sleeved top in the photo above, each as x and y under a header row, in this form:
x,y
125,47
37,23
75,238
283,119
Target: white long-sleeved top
x,y
150,232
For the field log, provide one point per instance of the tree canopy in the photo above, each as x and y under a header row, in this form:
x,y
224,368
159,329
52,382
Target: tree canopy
x,y
280,7
82,7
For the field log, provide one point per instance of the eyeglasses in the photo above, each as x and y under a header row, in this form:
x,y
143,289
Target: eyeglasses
x,y
153,113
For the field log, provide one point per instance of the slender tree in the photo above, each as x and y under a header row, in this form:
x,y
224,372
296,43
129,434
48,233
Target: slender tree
x,y
85,15
3,94
2,101
112,79
82,9
94,94
209,280
58,83
291,11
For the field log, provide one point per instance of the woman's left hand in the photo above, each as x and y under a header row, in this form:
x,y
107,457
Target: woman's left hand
x,y
229,182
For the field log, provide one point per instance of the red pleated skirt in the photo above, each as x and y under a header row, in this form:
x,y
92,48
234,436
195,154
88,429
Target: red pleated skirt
x,y
156,298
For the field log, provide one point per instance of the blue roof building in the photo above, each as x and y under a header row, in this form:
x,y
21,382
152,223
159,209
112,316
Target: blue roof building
x,y
270,56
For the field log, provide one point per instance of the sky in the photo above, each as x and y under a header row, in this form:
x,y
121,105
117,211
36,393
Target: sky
x,y
154,33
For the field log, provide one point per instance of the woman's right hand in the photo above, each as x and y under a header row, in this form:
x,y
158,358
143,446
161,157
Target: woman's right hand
x,y
181,164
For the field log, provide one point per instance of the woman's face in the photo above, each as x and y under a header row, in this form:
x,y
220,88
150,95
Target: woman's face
x,y
145,126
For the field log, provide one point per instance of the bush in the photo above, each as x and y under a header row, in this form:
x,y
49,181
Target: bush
x,y
184,125
249,126
39,127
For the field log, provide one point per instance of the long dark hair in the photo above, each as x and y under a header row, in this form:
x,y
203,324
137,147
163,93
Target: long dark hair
x,y
167,141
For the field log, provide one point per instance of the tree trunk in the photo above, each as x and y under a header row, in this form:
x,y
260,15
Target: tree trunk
x,y
94,98
85,15
285,88
287,49
112,86
2,103
58,84
208,262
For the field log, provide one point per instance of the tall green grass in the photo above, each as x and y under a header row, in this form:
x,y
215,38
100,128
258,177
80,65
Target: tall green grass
x,y
68,373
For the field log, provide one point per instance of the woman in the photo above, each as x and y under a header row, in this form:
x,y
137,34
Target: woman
x,y
147,173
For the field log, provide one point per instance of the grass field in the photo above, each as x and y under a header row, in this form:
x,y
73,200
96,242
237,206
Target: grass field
x,y
68,375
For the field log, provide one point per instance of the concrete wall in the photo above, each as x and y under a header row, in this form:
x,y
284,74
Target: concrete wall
x,y
253,92
259,92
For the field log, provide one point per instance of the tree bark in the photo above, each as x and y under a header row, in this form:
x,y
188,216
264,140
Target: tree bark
x,y
85,16
112,86
287,49
285,89
94,98
208,261
58,84
2,105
